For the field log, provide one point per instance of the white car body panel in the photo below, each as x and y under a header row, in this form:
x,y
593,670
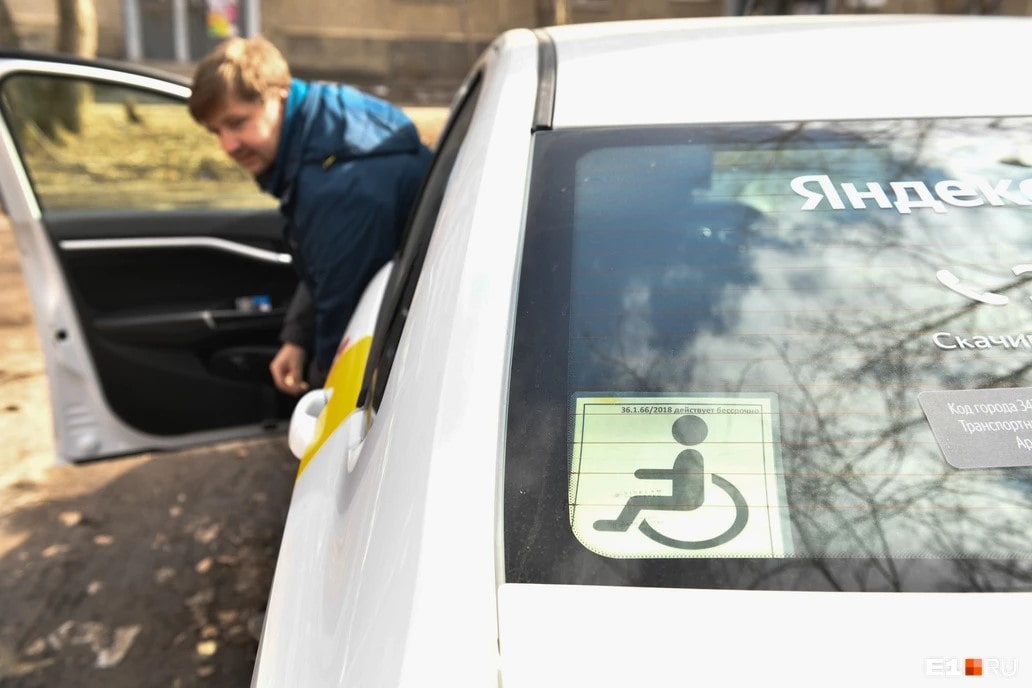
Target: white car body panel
x,y
608,636
855,71
391,575
406,540
84,425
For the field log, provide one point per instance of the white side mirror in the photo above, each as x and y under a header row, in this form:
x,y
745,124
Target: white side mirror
x,y
302,421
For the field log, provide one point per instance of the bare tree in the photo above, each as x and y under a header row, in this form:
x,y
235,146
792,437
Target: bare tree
x,y
77,27
76,35
45,108
562,12
9,37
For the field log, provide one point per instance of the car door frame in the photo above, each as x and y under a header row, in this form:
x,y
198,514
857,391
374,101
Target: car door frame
x,y
85,427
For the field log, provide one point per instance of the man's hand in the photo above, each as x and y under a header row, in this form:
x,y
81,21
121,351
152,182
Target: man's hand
x,y
287,369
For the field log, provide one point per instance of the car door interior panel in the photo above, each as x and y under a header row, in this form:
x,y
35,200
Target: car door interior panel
x,y
173,304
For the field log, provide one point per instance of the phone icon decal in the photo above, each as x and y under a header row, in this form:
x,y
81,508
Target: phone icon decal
x,y
951,281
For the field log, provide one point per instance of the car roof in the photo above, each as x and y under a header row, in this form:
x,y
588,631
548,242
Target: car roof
x,y
742,69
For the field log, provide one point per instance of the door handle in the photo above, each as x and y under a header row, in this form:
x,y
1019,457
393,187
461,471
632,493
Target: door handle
x,y
303,420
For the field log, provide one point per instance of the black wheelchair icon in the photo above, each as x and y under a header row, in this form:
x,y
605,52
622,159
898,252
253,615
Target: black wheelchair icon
x,y
687,493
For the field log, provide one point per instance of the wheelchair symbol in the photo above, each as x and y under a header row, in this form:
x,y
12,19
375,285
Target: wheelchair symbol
x,y
687,491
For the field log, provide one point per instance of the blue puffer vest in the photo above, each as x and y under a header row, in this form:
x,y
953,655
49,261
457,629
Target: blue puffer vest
x,y
347,171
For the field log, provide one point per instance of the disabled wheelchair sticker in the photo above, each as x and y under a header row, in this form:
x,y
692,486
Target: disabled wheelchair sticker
x,y
685,476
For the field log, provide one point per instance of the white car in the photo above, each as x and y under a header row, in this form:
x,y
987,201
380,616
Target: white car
x,y
707,361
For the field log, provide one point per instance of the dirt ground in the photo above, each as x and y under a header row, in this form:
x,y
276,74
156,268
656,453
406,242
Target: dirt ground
x,y
151,570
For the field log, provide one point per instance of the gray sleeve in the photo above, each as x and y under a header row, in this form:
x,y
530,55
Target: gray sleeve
x,y
299,322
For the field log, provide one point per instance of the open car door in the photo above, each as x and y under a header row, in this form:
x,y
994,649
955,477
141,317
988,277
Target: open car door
x,y
156,268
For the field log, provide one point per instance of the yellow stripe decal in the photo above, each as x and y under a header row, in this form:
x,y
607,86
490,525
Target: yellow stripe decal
x,y
344,384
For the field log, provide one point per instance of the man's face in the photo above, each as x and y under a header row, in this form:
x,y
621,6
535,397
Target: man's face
x,y
249,132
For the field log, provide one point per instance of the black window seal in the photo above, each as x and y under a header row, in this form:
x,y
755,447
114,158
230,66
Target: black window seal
x,y
544,107
408,259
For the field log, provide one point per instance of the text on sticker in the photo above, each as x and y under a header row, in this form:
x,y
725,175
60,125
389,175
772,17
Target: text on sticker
x,y
907,195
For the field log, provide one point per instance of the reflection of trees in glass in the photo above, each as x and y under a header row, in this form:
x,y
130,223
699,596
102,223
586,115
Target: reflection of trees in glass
x,y
652,263
76,35
835,311
861,453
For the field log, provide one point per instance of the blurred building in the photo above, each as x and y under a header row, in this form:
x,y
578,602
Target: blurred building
x,y
415,50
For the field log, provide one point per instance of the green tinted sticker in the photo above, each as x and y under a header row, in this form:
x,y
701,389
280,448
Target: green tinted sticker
x,y
664,476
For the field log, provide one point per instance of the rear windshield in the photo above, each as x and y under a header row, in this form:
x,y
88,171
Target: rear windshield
x,y
790,356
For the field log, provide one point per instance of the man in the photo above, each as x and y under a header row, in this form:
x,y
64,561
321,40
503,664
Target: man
x,y
346,168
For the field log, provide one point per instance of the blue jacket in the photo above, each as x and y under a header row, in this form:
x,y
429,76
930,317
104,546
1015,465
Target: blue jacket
x,y
347,172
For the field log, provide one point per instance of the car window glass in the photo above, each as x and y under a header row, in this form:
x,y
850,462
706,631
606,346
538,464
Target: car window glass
x,y
409,263
775,356
90,145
